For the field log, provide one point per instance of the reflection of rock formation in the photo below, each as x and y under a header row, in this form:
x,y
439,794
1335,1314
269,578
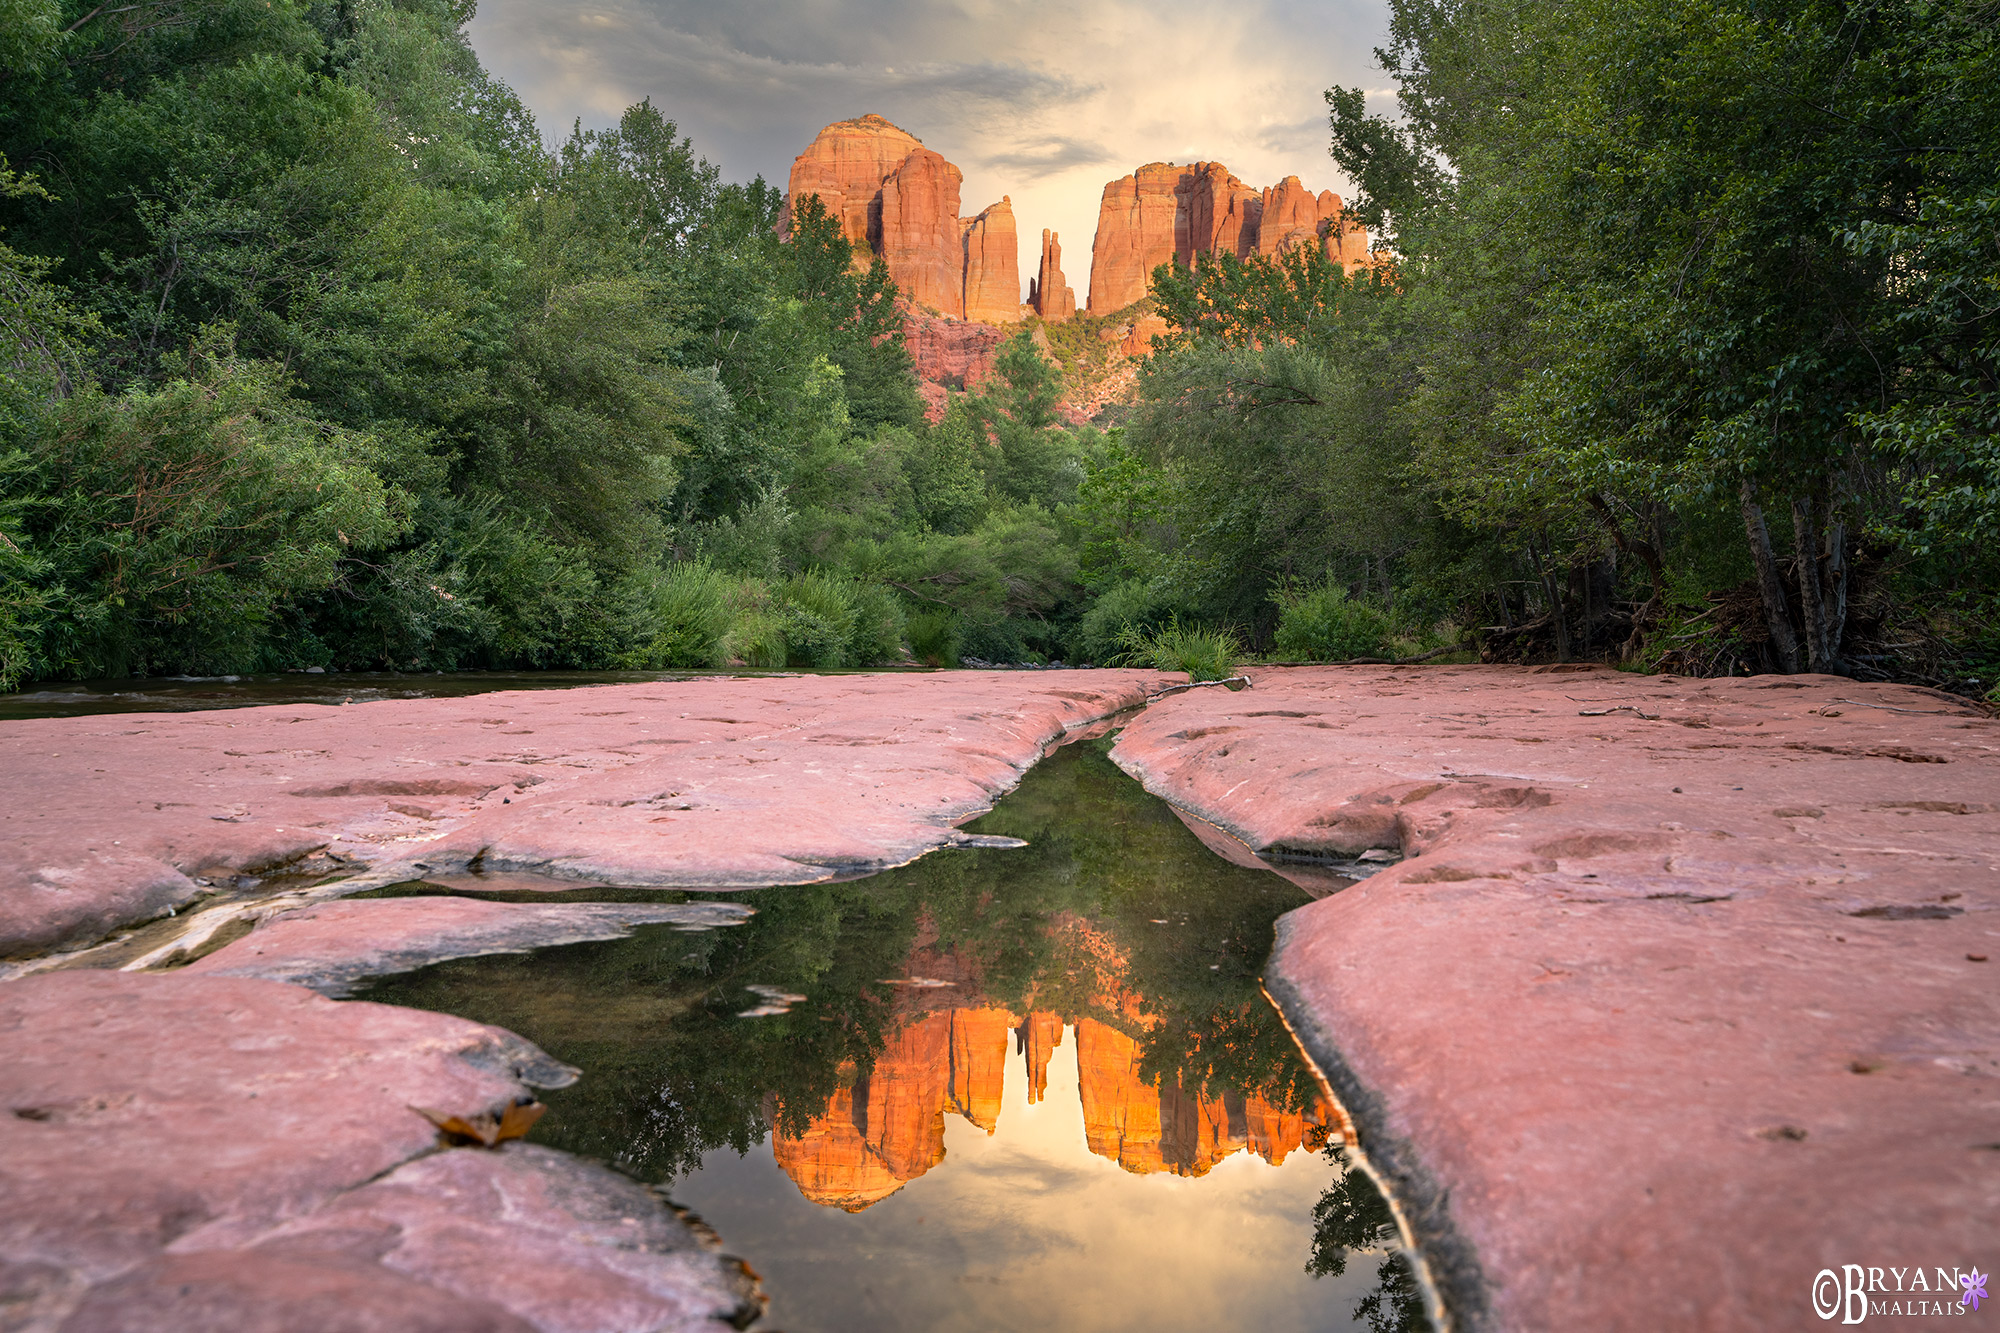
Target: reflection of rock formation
x,y
1039,1037
1146,1128
979,1063
887,1128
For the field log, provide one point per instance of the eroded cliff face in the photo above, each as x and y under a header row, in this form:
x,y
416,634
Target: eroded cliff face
x,y
948,354
1163,211
900,200
845,166
992,265
919,233
1136,230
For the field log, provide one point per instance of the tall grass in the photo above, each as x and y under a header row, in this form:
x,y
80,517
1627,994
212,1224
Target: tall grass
x,y
1205,654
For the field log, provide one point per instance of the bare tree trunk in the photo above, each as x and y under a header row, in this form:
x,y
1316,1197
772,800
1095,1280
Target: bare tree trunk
x,y
1836,586
1552,588
1777,616
1805,546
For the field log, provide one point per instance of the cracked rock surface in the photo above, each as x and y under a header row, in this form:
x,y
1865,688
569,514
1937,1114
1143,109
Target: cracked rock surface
x,y
1680,992
718,782
199,1153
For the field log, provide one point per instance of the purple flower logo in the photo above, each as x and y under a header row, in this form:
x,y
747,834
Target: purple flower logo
x,y
1975,1288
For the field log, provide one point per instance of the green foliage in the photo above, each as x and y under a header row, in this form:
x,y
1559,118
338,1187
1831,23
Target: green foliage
x,y
934,638
690,616
1319,622
174,523
1205,654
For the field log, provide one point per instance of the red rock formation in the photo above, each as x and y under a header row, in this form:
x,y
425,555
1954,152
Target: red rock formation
x,y
1217,213
1163,211
845,166
992,264
1291,217
1039,1036
979,1063
919,236
949,351
1051,295
1136,228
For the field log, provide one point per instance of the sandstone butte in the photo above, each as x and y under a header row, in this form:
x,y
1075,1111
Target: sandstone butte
x,y
1049,291
992,265
1165,212
897,199
1681,992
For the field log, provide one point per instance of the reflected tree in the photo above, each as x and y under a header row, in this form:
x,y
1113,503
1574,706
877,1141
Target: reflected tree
x,y
1352,1216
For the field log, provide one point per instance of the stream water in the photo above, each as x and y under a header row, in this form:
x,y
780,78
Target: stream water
x,y
1000,1088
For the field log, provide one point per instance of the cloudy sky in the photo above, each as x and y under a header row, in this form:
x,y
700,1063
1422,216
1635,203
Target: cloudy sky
x,y
1037,100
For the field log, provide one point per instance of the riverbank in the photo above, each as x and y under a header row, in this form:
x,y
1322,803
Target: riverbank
x,y
1680,992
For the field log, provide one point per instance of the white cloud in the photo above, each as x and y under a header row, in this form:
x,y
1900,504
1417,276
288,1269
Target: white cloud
x,y
1036,100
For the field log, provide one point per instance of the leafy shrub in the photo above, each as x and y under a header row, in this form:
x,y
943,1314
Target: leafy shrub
x,y
878,625
934,638
1321,623
755,639
1205,654
818,615
691,618
1133,603
992,640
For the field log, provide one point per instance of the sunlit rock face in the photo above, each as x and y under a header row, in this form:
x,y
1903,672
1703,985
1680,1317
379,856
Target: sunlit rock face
x,y
1135,234
887,1127
919,235
845,166
897,199
1217,213
1049,292
992,265
1163,211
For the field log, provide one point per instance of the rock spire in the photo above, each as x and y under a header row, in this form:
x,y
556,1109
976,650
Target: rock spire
x,y
1049,291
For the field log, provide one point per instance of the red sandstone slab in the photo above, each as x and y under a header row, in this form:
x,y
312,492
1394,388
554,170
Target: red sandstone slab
x,y
716,782
185,1153
1673,1002
330,946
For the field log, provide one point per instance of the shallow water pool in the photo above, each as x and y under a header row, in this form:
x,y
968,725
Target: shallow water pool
x,y
1000,1088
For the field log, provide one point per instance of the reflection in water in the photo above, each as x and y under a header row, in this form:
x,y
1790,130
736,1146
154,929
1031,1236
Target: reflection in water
x,y
1032,1087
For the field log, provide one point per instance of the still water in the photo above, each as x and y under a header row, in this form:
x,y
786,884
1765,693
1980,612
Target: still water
x,y
186,694
1001,1088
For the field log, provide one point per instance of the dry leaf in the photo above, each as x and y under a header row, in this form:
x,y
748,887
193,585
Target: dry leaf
x,y
484,1127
